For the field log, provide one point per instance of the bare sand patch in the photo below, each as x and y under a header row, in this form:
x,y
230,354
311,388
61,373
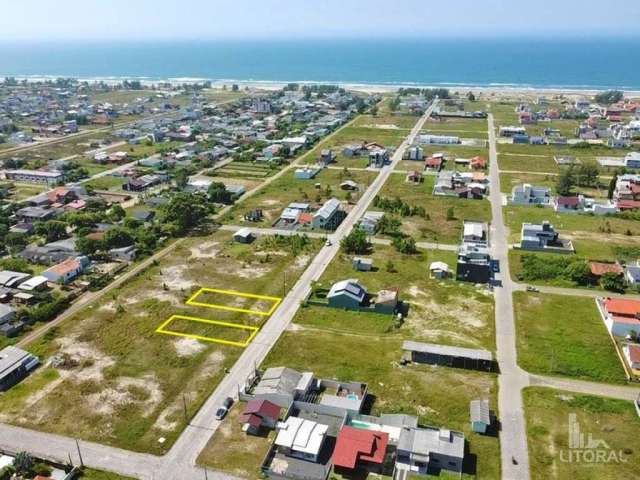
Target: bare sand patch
x,y
174,277
187,347
205,250
122,393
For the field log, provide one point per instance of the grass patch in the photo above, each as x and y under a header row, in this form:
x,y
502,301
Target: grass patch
x,y
563,335
436,227
126,382
440,311
614,421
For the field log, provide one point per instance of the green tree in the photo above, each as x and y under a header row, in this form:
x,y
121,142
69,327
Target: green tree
x,y
374,110
118,237
471,97
23,463
218,193
117,213
586,175
612,186
52,230
610,96
89,246
185,211
451,215
16,264
356,242
612,282
566,182
405,245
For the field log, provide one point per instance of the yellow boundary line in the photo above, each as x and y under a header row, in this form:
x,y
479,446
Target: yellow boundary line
x,y
276,301
253,330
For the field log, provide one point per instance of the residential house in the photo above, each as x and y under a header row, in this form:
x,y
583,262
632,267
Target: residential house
x,y
543,237
632,275
598,269
632,354
12,279
307,173
53,252
414,153
67,270
15,365
475,233
527,194
360,449
421,450
378,157
329,216
568,204
258,415
300,438
474,264
34,176
439,140
347,294
123,254
509,132
369,222
327,156
7,313
386,301
621,315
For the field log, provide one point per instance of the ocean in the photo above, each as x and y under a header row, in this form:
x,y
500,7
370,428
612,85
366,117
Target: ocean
x,y
571,63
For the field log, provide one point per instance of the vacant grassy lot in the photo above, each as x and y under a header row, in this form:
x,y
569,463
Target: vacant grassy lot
x,y
614,421
527,163
440,311
435,227
553,150
233,451
562,335
121,383
387,120
438,396
107,182
275,197
459,127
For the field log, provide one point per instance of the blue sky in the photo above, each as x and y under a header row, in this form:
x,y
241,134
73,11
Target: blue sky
x,y
211,19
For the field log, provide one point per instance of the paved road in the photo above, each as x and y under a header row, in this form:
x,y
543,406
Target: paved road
x,y
620,392
513,435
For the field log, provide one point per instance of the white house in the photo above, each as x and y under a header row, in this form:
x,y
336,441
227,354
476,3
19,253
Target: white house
x,y
301,438
632,354
527,194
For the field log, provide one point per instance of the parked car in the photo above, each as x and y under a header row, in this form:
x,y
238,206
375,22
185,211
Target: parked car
x,y
532,289
224,408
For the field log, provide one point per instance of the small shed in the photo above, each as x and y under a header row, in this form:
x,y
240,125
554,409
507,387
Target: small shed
x,y
480,415
439,270
244,235
362,264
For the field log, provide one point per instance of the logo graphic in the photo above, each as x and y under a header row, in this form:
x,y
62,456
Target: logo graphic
x,y
584,448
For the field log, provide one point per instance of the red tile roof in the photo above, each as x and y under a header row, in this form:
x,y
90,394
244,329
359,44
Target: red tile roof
x,y
355,444
259,409
568,201
634,353
305,218
599,269
622,307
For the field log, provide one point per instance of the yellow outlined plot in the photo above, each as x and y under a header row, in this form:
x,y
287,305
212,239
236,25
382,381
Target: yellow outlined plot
x,y
276,301
253,330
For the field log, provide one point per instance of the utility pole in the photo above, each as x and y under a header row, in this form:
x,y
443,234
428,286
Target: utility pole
x,y
284,284
184,404
206,477
79,454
